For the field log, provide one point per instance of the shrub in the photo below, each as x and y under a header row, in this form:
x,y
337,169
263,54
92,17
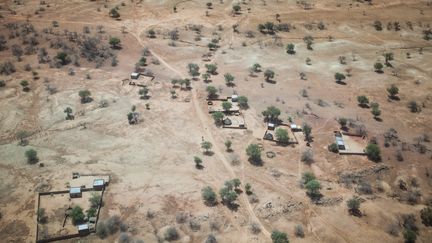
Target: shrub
x,y
2,83
212,91
209,196
333,148
171,234
77,215
279,237
228,145
255,228
271,113
307,177
91,212
362,100
114,42
313,188
414,107
198,162
102,230
373,152
125,238
298,231
254,153
426,216
32,157
353,205
307,156
409,236
282,135
339,77
243,102
95,200
85,96
211,239
113,224
206,145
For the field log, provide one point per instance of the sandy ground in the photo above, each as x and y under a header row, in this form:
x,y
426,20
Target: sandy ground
x,y
152,162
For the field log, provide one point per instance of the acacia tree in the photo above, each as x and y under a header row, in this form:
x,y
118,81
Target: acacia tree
x,y
256,67
229,79
85,96
309,41
393,90
218,117
353,205
22,135
32,157
25,84
211,68
269,74
114,42
206,145
226,105
339,77
376,112
205,76
243,102
378,67
279,237
68,112
254,153
373,152
271,113
363,100
313,188
228,144
307,130
388,56
198,162
209,196
282,135
290,48
212,91
193,69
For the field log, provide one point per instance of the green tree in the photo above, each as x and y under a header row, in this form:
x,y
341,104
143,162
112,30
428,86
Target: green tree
x,y
25,84
339,77
236,8
144,93
77,215
226,106
229,79
22,135
290,48
95,200
211,68
63,57
343,122
309,41
209,196
212,91
393,90
362,100
85,96
307,130
307,177
32,157
388,56
269,74
271,113
228,144
373,152
248,189
206,145
198,162
282,135
353,205
378,67
410,236
376,112
236,182
426,216
68,112
313,188
256,67
91,212
205,76
218,117
254,153
114,42
279,237
227,195
114,13
243,102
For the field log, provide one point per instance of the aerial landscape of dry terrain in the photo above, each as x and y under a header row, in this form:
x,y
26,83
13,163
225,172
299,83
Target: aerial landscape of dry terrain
x,y
216,121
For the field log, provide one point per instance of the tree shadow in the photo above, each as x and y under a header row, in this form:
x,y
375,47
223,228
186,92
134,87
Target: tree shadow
x,y
199,167
232,206
238,190
364,106
394,98
379,71
207,81
271,81
355,212
231,85
378,119
256,162
208,153
341,82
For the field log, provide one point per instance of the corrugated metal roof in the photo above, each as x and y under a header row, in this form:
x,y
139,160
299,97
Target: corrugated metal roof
x,y
98,182
75,190
83,227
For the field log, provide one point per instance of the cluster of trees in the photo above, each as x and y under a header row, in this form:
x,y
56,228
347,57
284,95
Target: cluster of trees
x,y
133,116
228,193
193,70
253,151
312,185
182,82
95,201
272,114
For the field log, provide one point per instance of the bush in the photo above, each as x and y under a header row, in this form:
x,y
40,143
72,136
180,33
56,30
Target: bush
x,y
125,238
298,231
353,205
91,212
426,216
113,224
414,107
85,96
2,83
307,156
32,157
95,200
255,228
243,102
307,177
282,135
211,239
77,215
313,188
333,148
409,236
373,152
254,153
171,234
102,230
209,196
279,237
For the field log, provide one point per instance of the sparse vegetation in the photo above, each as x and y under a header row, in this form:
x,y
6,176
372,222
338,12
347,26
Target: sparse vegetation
x,y
254,153
32,157
279,237
373,152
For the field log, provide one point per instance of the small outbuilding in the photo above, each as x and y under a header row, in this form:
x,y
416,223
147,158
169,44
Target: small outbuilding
x,y
75,192
135,75
295,128
271,126
340,143
98,184
83,229
268,136
234,98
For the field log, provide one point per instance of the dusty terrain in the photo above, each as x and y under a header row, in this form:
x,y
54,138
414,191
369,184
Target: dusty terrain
x,y
151,163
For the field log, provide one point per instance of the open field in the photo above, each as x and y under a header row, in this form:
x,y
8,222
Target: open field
x,y
154,183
